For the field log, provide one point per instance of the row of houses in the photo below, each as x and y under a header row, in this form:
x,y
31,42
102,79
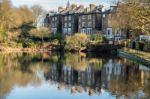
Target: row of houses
x,y
79,19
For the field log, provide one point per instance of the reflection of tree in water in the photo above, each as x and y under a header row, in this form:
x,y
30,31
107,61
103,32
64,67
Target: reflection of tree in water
x,y
12,73
76,61
147,87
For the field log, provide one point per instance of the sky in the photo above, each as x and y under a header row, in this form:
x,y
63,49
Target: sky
x,y
54,4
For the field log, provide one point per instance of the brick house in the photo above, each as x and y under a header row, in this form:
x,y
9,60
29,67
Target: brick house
x,y
74,19
69,18
90,21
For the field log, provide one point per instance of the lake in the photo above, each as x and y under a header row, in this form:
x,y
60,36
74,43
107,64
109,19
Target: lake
x,y
71,76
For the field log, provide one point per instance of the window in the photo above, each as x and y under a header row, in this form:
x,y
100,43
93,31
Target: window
x,y
94,17
65,30
69,17
108,32
55,18
79,19
69,30
89,31
104,15
83,16
65,18
89,17
83,31
70,24
54,30
89,24
83,24
65,24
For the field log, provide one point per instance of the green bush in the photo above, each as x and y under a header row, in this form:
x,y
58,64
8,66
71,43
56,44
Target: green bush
x,y
137,46
146,47
55,42
97,38
129,44
31,43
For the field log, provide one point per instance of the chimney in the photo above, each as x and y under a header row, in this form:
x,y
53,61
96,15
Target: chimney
x,y
60,9
92,7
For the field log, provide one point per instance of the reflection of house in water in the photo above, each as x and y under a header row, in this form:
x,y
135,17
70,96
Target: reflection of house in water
x,y
88,80
111,68
124,80
119,77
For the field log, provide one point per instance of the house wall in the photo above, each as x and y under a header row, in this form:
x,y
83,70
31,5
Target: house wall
x,y
69,24
89,23
55,23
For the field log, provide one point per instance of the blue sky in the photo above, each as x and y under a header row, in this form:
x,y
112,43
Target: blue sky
x,y
53,4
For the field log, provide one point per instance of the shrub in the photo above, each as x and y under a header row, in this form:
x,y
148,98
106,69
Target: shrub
x,y
146,47
40,32
137,45
55,42
97,38
129,44
76,41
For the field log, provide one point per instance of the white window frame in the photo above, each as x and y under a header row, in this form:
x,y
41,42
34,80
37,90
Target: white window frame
x,y
110,35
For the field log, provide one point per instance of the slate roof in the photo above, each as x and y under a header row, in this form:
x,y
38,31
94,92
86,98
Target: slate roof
x,y
81,9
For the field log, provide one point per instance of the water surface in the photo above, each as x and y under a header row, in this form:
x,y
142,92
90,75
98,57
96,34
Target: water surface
x,y
71,76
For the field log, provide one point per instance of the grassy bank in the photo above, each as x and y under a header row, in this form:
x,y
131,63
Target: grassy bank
x,y
140,54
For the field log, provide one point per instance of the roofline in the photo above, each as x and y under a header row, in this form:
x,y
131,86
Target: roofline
x,y
77,14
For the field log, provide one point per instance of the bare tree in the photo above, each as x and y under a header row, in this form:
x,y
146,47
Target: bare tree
x,y
37,11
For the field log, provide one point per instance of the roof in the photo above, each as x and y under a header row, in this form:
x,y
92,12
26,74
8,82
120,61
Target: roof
x,y
74,9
